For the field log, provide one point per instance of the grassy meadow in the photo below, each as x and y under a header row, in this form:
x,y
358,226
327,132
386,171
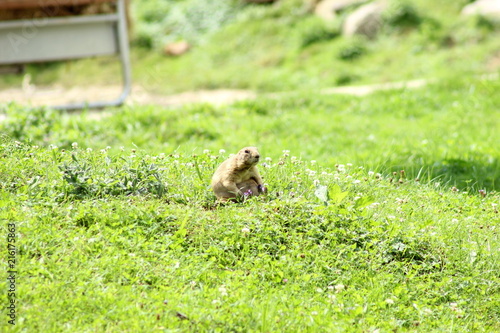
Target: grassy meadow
x,y
382,215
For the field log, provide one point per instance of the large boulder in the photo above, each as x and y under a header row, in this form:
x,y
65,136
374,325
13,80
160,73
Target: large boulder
x,y
328,9
366,20
486,8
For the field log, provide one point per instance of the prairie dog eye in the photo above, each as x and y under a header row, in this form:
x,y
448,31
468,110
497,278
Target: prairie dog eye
x,y
247,151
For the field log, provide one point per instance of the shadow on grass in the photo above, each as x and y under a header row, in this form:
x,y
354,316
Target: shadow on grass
x,y
472,174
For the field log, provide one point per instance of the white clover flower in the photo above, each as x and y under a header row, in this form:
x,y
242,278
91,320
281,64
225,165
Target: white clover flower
x,y
356,181
349,165
223,290
161,156
206,151
89,150
74,145
313,162
122,148
245,230
371,173
316,182
269,160
108,147
389,301
53,147
103,151
222,151
339,287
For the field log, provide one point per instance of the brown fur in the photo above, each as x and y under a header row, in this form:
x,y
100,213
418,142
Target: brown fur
x,y
238,176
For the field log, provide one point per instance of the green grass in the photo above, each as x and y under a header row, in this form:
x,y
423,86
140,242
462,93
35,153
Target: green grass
x,y
120,232
283,47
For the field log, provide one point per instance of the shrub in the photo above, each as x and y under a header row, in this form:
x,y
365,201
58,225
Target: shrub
x,y
352,48
401,14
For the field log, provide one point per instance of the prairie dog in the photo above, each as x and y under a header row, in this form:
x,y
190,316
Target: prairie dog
x,y
238,176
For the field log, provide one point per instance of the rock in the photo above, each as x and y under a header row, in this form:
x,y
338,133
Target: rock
x,y
328,9
176,49
486,8
366,20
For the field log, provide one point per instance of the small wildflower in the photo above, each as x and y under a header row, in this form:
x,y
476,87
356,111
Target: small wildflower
x,y
314,313
103,151
371,173
89,150
206,151
482,193
245,230
223,290
122,148
427,311
339,287
222,151
319,290
53,147
313,162
349,165
316,182
389,301
269,160
74,145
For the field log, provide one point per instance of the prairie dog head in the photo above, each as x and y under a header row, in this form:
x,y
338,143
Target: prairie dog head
x,y
248,156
